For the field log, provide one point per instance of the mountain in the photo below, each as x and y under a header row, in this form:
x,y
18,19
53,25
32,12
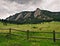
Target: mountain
x,y
36,16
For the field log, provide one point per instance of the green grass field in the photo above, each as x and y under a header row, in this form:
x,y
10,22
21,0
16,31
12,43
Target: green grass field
x,y
22,41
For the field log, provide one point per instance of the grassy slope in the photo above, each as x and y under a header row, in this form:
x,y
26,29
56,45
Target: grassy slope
x,y
43,26
21,41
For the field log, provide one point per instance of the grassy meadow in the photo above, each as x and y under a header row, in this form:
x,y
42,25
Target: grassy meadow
x,y
22,40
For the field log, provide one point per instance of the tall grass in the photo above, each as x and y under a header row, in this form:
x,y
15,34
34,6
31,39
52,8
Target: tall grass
x,y
22,41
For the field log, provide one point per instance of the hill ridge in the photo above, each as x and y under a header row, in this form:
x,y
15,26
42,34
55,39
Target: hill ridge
x,y
34,16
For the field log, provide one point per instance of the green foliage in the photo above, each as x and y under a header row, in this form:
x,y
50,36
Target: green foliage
x,y
22,41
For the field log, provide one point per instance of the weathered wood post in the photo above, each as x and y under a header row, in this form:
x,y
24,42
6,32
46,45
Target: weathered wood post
x,y
10,31
27,34
54,36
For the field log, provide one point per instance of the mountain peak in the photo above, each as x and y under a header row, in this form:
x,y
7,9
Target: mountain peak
x,y
35,16
37,9
37,12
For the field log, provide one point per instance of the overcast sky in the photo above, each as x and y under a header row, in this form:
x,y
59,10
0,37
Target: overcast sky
x,y
9,7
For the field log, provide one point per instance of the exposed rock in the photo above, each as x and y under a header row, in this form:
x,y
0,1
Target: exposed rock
x,y
37,12
34,16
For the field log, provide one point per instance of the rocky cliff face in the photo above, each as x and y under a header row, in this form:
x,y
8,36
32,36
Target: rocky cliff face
x,y
37,12
34,16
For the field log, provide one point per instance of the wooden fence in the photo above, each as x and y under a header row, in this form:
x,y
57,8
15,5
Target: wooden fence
x,y
28,32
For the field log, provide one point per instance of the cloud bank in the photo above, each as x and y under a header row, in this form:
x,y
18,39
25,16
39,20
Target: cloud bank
x,y
9,7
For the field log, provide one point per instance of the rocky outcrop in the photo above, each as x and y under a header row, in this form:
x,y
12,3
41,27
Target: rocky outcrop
x,y
37,12
34,16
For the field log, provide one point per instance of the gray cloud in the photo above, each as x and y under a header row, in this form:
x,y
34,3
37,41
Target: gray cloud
x,y
24,1
9,7
19,1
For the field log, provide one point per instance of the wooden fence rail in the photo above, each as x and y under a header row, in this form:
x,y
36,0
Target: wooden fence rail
x,y
28,33
37,37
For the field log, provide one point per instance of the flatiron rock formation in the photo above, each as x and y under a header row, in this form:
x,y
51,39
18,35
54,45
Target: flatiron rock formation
x,y
36,16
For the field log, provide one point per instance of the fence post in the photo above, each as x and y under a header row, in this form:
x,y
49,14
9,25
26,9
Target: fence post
x,y
54,36
10,31
27,34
